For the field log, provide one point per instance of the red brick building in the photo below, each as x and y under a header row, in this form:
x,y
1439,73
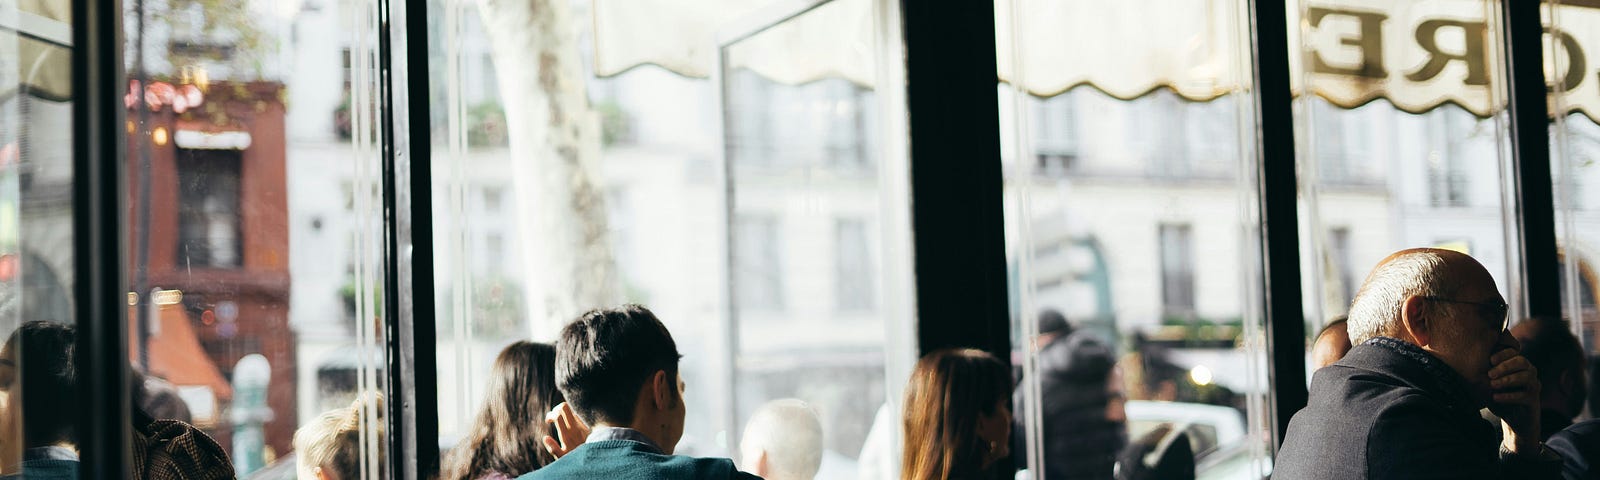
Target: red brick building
x,y
218,231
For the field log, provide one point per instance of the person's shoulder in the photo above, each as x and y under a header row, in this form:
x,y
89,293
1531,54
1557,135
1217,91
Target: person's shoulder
x,y
712,467
1582,436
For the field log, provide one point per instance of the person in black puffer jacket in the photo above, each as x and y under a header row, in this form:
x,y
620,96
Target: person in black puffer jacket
x,y
1084,427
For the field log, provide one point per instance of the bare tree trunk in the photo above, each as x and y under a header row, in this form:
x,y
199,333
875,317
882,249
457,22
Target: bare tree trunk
x,y
555,146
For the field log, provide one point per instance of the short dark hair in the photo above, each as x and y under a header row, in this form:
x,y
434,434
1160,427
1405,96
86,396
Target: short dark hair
x,y
43,353
605,357
1548,344
1052,321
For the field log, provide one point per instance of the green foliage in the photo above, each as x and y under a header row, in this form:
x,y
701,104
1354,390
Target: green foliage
x,y
228,33
498,309
615,126
486,125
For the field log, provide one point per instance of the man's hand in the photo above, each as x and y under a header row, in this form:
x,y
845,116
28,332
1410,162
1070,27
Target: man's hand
x,y
571,430
1515,384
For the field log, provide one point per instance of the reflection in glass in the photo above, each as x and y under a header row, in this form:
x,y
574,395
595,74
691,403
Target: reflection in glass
x,y
1575,150
38,406
533,226
804,166
253,219
1133,233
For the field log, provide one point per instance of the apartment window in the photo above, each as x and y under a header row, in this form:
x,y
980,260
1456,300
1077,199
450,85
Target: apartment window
x,y
758,267
208,208
1339,253
493,198
1055,143
1447,178
495,249
1177,270
854,275
1160,123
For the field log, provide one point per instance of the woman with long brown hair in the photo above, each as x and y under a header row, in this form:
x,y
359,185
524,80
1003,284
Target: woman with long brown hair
x,y
507,438
957,416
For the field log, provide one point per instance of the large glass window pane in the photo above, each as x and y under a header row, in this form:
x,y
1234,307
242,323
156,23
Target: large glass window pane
x,y
1402,139
581,167
36,234
805,169
1133,237
1572,39
255,228
562,186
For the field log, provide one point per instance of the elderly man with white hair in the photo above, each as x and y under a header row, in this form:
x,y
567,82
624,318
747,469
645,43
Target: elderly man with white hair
x,y
783,441
1431,350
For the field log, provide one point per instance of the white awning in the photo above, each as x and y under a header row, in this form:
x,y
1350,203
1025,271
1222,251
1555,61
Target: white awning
x,y
198,140
1417,54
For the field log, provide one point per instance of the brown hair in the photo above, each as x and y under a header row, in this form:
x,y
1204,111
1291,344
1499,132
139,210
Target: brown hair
x,y
507,437
948,391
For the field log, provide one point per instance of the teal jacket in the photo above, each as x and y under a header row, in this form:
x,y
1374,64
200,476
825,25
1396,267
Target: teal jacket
x,y
629,460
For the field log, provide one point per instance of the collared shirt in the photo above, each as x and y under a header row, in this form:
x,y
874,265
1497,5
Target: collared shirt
x,y
599,434
47,463
49,453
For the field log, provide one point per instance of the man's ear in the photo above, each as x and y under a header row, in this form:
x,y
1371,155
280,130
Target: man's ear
x,y
1414,315
662,390
759,465
322,473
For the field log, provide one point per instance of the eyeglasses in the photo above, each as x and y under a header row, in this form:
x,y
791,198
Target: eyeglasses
x,y
1494,310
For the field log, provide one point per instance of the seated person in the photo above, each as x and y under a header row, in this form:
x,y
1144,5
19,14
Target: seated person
x,y
1548,343
1579,446
506,439
783,441
1332,343
1431,350
330,448
957,420
618,370
38,402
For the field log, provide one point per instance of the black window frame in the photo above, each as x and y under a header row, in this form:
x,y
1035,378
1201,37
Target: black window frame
x,y
960,266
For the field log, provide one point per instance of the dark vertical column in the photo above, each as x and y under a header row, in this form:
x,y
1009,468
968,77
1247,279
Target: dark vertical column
x,y
957,211
99,293
1522,32
1280,229
412,367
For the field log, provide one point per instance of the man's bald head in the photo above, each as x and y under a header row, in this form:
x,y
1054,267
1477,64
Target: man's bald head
x,y
1422,272
783,441
1332,343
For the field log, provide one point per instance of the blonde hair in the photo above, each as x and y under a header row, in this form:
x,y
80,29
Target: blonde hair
x,y
334,441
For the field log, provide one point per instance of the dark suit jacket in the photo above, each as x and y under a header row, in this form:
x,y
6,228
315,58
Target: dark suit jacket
x,y
1390,410
628,460
1579,446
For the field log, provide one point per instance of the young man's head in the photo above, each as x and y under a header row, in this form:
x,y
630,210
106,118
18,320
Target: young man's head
x,y
38,389
618,367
